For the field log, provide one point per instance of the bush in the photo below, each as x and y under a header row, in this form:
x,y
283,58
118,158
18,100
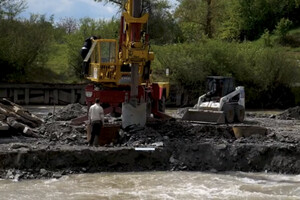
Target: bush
x,y
265,72
282,28
24,46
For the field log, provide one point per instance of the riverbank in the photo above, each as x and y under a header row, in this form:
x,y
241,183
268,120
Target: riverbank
x,y
161,145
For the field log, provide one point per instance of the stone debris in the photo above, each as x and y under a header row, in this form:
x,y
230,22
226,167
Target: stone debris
x,y
290,114
184,146
62,132
69,112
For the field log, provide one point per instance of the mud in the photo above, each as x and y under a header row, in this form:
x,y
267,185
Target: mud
x,y
177,145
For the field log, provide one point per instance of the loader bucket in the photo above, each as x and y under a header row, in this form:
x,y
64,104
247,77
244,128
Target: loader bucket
x,y
209,116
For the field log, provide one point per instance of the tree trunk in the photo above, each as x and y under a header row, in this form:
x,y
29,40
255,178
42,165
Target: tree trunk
x,y
209,29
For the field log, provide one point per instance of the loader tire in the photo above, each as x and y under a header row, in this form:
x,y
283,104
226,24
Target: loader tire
x,y
229,113
239,112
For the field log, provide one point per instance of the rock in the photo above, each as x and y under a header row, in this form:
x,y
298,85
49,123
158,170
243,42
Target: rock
x,y
166,138
18,177
57,175
43,172
173,161
19,145
10,174
213,171
157,144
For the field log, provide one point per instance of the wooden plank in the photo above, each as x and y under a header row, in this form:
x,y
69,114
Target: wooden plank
x,y
22,128
11,109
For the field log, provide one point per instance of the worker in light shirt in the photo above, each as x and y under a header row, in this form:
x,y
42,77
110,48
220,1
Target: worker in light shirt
x,y
96,120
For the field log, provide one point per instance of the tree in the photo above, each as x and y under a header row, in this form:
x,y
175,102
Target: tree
x,y
24,46
11,8
282,28
258,15
70,25
119,2
200,17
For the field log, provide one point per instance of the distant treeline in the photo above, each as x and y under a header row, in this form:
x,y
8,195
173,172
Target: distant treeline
x,y
248,40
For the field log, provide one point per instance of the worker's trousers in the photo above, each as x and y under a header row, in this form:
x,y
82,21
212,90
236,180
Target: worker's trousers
x,y
96,129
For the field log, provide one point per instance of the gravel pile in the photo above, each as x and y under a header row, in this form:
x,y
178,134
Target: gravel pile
x,y
69,112
57,127
290,114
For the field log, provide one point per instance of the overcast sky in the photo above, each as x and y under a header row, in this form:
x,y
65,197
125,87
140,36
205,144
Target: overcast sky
x,y
71,8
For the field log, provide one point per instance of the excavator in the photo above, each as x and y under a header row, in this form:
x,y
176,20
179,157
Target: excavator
x,y
120,71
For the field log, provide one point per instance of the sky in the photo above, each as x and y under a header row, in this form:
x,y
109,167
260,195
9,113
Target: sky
x,y
71,8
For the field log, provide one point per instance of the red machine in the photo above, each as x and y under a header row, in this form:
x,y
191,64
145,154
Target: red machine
x,y
121,72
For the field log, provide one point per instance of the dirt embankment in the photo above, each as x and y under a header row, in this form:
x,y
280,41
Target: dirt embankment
x,y
176,145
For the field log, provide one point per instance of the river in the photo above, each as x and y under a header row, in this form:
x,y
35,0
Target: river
x,y
156,185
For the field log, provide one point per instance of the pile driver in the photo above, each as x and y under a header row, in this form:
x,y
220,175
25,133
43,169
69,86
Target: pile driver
x,y
120,71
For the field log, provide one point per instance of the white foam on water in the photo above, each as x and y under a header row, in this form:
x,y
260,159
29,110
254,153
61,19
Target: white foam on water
x,y
157,185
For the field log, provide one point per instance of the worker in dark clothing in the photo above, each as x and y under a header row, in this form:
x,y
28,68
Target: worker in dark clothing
x,y
96,120
84,51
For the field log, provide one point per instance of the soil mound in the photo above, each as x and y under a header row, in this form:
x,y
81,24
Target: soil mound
x,y
289,114
70,111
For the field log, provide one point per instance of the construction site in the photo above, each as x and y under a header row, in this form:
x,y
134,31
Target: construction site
x,y
217,134
264,143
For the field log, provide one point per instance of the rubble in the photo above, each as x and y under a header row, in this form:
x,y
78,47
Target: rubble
x,y
290,114
175,145
69,112
62,132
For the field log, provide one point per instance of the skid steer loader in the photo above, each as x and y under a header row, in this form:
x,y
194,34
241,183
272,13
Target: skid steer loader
x,y
223,103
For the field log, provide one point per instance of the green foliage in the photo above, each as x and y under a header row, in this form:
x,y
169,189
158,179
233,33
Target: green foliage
x,y
261,70
230,28
233,19
282,28
258,15
267,38
24,45
200,17
161,26
9,9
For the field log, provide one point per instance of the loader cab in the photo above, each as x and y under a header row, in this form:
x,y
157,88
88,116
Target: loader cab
x,y
219,86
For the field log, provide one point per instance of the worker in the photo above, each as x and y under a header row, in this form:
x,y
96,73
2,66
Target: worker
x,y
96,120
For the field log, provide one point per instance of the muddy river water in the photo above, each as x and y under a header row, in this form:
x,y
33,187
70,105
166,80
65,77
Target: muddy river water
x,y
156,185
